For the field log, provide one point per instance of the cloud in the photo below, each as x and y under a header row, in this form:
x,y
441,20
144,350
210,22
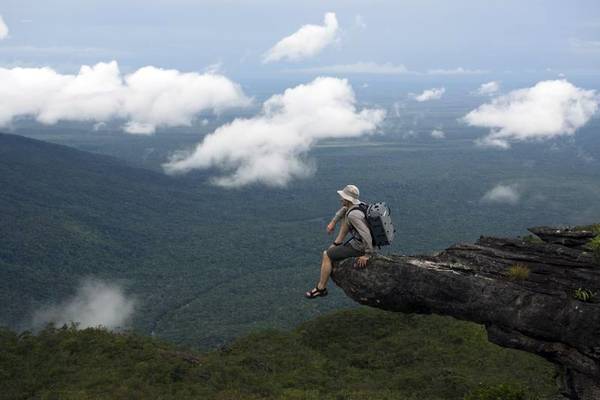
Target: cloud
x,y
148,98
357,68
28,51
438,134
456,71
306,42
95,303
488,88
397,108
505,194
271,147
359,22
99,126
431,94
585,46
546,110
3,29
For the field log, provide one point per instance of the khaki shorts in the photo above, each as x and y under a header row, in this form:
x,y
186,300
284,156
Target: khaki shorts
x,y
342,251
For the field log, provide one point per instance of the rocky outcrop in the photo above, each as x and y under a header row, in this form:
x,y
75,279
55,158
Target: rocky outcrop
x,y
527,293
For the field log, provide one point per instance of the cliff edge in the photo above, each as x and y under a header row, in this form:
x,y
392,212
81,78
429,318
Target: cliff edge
x,y
540,294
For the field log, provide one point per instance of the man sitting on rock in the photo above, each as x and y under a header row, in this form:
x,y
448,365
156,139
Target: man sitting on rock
x,y
359,245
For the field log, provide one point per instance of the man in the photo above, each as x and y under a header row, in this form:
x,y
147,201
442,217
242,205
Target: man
x,y
359,245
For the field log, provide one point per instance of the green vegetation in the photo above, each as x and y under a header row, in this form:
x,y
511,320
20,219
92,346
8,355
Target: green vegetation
x,y
501,392
359,354
594,246
532,239
518,272
584,295
208,264
595,228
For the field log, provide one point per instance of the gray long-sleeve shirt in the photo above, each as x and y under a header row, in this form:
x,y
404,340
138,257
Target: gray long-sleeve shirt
x,y
359,222
341,213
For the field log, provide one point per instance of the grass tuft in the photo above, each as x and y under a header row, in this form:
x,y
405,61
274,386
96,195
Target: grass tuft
x,y
584,295
518,272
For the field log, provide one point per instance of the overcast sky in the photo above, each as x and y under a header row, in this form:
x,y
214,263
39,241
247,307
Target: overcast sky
x,y
387,37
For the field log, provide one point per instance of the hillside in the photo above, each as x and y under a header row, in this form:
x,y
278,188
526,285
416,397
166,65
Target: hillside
x,y
69,215
207,264
360,354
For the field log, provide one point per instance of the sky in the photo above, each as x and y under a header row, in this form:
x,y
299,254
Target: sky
x,y
161,64
372,36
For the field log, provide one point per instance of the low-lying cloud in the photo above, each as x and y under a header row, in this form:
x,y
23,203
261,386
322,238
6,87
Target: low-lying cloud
x,y
306,42
502,194
271,147
147,98
438,134
96,303
431,94
489,88
546,110
456,71
358,68
3,29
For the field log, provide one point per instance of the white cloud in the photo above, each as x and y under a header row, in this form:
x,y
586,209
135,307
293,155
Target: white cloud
x,y
438,134
456,71
95,304
357,68
148,98
3,29
585,46
28,50
359,21
488,88
306,42
410,134
546,110
271,147
99,126
398,107
431,94
506,194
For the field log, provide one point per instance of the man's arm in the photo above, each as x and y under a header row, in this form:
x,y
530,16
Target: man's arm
x,y
338,215
342,234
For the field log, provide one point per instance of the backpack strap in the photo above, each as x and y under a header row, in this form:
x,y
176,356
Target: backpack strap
x,y
362,208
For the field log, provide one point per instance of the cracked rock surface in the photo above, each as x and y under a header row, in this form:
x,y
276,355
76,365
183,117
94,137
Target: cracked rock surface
x,y
538,313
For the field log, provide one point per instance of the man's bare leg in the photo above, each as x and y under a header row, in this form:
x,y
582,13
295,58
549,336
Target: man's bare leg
x,y
325,271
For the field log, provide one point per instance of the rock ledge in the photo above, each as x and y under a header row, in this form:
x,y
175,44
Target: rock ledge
x,y
539,314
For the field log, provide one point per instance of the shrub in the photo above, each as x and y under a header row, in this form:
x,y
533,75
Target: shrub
x,y
595,228
500,392
594,246
532,239
518,272
585,295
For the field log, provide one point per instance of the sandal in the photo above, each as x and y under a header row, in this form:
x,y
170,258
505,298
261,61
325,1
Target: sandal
x,y
316,292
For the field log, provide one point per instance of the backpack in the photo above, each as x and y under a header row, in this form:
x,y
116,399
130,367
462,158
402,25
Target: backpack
x,y
379,222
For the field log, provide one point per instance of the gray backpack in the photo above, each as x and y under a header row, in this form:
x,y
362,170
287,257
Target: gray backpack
x,y
379,221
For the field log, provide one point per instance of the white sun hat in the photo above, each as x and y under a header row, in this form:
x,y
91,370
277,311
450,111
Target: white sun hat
x,y
350,193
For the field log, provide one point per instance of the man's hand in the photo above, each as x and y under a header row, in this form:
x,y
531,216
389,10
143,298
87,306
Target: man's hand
x,y
362,261
330,227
